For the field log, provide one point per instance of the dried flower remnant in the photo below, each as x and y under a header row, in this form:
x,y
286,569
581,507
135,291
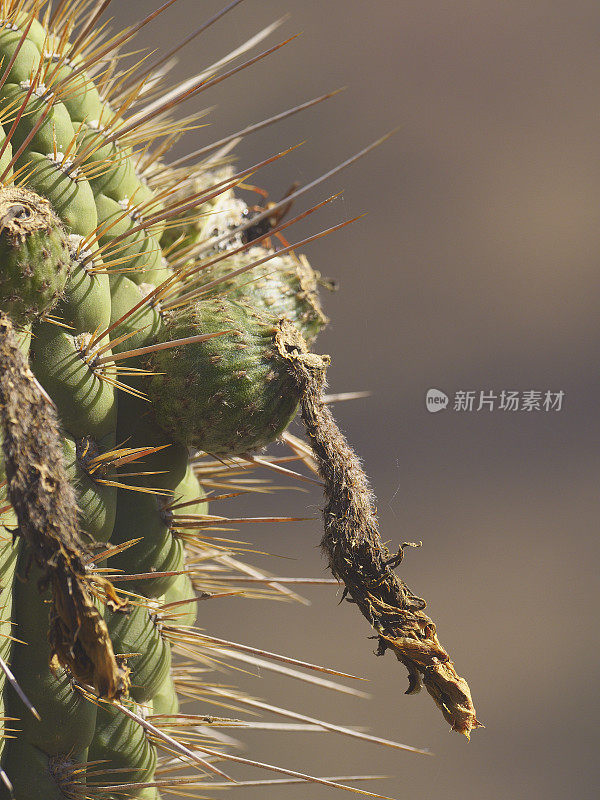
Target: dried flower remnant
x,y
358,558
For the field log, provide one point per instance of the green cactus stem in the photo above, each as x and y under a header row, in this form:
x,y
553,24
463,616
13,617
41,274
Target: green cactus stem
x,y
46,508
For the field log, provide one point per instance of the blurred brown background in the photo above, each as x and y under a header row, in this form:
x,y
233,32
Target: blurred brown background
x,y
476,268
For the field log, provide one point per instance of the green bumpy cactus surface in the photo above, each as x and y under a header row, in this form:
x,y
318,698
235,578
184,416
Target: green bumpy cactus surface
x,y
230,394
84,244
34,254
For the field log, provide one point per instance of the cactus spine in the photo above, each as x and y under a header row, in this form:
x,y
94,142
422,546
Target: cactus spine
x,y
145,315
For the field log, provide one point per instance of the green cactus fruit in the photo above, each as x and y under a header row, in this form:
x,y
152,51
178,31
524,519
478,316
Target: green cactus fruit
x,y
34,254
229,394
283,285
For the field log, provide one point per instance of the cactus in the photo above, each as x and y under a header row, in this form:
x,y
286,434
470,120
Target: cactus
x,y
233,394
152,329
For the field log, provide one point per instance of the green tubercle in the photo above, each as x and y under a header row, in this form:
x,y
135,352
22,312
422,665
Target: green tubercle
x,y
122,752
232,393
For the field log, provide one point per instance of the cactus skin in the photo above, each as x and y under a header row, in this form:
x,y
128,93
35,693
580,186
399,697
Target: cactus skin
x,y
34,254
123,744
51,230
228,395
57,265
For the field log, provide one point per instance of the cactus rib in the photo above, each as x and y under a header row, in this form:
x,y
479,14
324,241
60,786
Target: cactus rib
x,y
44,502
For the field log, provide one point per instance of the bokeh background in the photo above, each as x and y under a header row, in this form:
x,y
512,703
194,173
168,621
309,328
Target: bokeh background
x,y
476,268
